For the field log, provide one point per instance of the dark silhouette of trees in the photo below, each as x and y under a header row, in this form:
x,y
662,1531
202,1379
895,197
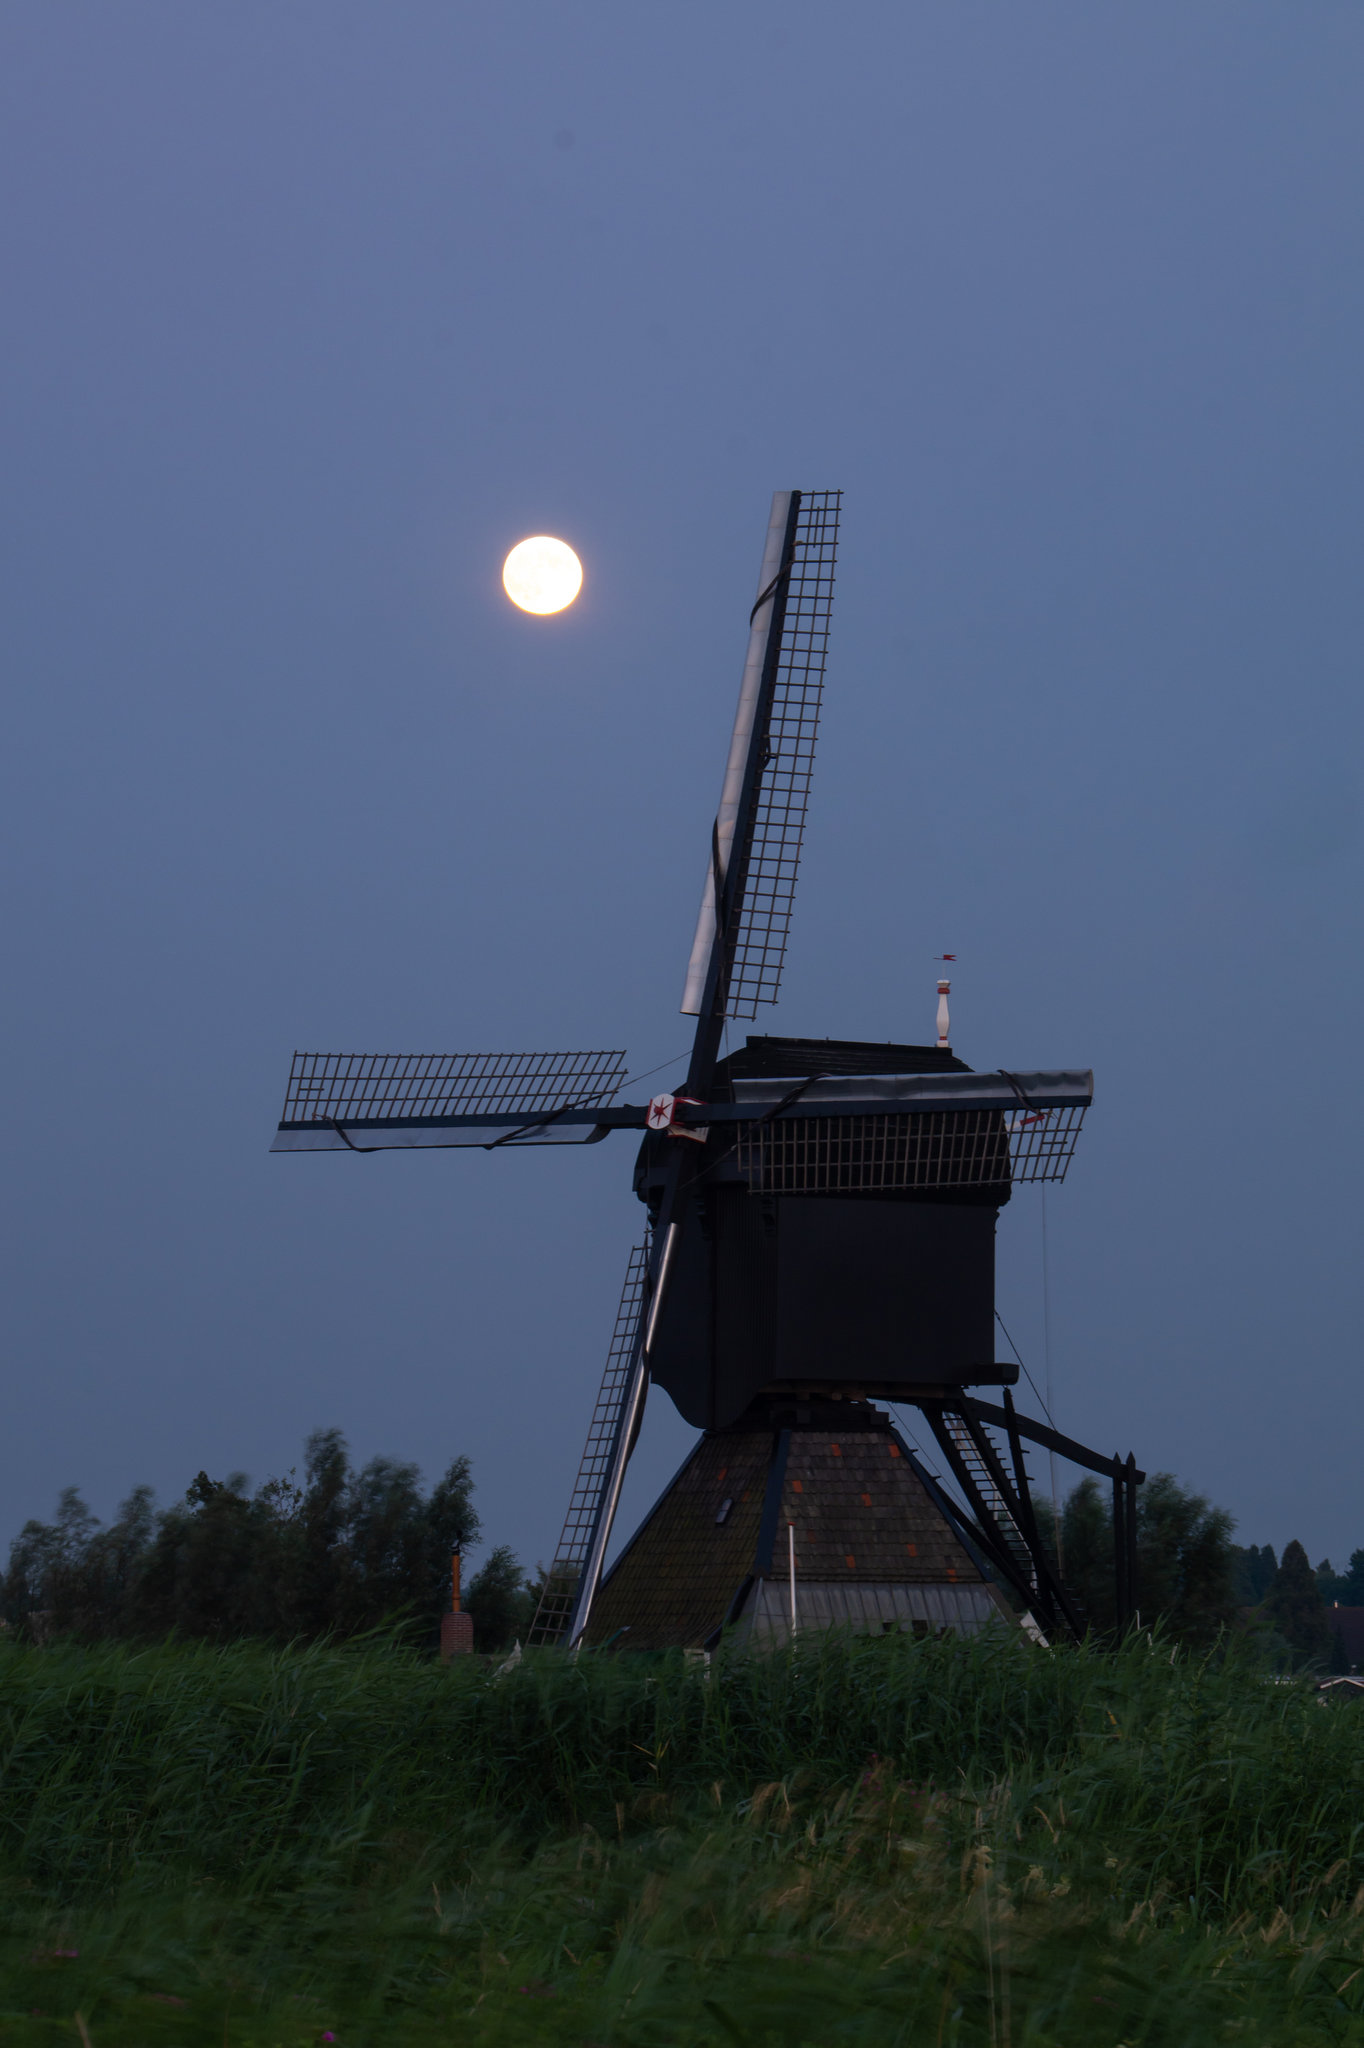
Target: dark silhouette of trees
x,y
343,1552
1295,1610
1184,1563
1184,1545
1087,1550
320,1531
1347,1587
1252,1571
500,1601
212,1568
346,1550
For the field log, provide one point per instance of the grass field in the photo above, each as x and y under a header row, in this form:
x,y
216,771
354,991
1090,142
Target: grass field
x,y
867,1842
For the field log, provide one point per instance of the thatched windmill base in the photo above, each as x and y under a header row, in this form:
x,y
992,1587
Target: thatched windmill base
x,y
875,1551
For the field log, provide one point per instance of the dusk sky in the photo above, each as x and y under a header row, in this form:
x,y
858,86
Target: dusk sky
x,y
310,311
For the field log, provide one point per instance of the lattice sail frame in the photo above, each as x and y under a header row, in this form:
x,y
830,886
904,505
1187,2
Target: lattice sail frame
x,y
954,1148
560,1591
764,921
332,1087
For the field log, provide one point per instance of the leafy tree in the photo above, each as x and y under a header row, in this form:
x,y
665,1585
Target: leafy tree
x,y
74,1574
500,1601
343,1552
1087,1551
1251,1573
211,1570
47,1565
1184,1556
1348,1586
384,1553
1295,1610
319,1527
450,1524
1184,1559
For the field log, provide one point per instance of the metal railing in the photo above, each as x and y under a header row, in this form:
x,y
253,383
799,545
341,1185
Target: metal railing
x,y
954,1148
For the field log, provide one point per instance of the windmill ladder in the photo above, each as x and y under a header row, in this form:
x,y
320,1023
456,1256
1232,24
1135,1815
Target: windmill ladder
x,y
990,1493
555,1610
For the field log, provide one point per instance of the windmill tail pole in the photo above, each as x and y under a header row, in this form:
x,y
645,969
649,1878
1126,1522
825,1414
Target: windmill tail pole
x,y
627,1429
456,1628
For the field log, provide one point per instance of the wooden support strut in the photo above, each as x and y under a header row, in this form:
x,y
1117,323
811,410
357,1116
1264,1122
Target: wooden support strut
x,y
1049,1439
1123,1474
1122,1602
1028,1520
1133,1580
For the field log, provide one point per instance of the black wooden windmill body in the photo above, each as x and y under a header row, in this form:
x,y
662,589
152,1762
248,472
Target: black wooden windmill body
x,y
820,1239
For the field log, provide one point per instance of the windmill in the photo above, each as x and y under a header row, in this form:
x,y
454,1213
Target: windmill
x,y
820,1239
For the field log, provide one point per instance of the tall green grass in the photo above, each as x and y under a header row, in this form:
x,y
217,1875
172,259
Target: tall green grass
x,y
871,1841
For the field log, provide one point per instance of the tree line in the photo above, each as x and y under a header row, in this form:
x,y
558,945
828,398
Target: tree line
x,y
1196,1581
338,1553
343,1551
1295,1603
1183,1557
1254,1571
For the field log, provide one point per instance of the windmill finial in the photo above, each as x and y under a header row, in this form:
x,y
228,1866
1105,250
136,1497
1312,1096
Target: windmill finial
x,y
944,1021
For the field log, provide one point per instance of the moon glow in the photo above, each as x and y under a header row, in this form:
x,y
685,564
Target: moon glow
x,y
542,574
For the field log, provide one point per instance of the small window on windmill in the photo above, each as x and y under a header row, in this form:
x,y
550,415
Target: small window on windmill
x,y
722,1512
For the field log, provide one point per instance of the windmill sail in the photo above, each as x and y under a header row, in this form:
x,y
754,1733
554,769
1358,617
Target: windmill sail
x,y
559,1595
763,826
366,1102
740,941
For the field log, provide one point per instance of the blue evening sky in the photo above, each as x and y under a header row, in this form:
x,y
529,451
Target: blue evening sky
x,y
310,310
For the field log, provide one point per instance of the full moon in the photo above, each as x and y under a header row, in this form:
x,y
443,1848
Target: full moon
x,y
542,574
